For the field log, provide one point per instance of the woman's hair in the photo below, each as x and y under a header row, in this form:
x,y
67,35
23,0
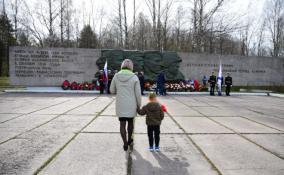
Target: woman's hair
x,y
127,64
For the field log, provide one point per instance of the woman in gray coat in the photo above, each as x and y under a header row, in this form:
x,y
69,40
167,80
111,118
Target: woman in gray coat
x,y
125,84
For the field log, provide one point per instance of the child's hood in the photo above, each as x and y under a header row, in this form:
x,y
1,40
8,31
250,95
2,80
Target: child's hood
x,y
153,106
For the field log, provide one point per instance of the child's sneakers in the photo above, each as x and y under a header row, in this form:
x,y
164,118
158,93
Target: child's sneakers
x,y
157,149
152,149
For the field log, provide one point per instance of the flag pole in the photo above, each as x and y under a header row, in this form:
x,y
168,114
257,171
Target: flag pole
x,y
106,75
219,79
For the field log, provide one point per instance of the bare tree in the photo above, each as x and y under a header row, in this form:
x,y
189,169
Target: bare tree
x,y
134,24
275,24
126,44
260,51
202,18
153,11
47,16
68,19
3,7
166,14
120,23
62,9
15,8
102,14
178,24
30,24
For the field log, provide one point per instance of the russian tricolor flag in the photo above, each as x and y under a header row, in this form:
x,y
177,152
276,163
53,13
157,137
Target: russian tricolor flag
x,y
106,74
219,79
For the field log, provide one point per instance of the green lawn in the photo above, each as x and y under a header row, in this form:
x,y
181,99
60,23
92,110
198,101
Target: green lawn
x,y
4,81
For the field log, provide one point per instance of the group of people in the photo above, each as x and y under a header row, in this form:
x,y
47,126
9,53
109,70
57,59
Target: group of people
x,y
104,82
213,80
126,85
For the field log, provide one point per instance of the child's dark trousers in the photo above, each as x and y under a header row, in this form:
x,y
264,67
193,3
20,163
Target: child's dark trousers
x,y
153,134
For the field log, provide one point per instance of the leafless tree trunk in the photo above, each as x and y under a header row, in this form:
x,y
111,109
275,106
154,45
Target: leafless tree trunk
x,y
31,25
61,22
275,24
179,16
166,14
153,11
50,18
15,7
201,20
102,13
159,27
120,24
4,6
134,26
68,19
260,40
126,43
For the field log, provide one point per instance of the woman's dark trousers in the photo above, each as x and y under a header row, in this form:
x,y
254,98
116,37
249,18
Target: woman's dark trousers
x,y
123,133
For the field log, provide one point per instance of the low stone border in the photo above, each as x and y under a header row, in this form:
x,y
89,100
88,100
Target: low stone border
x,y
59,90
276,95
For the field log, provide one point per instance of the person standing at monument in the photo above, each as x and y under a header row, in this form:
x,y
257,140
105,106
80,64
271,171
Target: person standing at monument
x,y
102,81
125,84
204,81
161,80
212,81
228,83
142,81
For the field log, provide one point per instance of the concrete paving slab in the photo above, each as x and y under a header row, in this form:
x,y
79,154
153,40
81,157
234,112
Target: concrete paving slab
x,y
167,126
233,155
272,142
176,108
6,135
62,108
110,110
93,107
104,124
99,154
5,117
177,156
28,105
181,110
200,125
192,101
26,153
67,123
215,111
269,121
19,125
243,125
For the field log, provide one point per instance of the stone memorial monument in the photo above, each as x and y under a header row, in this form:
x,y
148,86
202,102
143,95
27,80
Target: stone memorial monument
x,y
31,66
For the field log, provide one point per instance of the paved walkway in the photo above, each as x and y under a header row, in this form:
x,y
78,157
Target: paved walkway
x,y
201,135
